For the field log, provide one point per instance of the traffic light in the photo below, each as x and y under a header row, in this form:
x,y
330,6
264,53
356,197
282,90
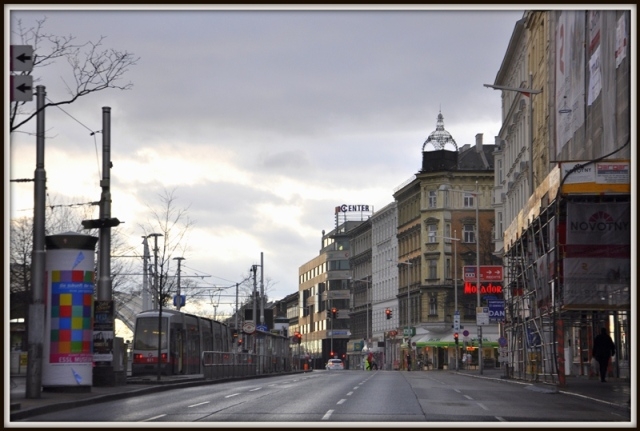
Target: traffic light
x,y
240,342
298,337
388,313
455,338
334,312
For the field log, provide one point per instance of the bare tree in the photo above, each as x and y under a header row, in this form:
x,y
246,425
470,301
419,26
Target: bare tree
x,y
93,69
174,224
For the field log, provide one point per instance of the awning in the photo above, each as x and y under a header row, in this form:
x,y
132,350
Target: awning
x,y
445,339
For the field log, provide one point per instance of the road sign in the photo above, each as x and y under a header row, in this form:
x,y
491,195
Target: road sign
x,y
262,328
21,58
409,332
487,273
482,316
456,321
496,310
21,88
249,327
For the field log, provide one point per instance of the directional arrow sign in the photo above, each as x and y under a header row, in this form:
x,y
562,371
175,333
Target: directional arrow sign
x,y
21,88
21,58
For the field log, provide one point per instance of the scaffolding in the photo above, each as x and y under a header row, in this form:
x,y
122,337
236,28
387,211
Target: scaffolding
x,y
551,317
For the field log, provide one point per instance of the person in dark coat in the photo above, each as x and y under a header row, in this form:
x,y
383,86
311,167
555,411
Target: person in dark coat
x,y
603,349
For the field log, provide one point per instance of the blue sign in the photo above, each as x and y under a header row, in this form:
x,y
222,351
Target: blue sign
x,y
496,310
262,328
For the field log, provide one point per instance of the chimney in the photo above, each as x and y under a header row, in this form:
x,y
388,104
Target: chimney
x,y
479,143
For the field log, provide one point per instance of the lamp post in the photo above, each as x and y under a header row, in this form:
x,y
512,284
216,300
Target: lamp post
x,y
156,288
456,318
527,92
406,262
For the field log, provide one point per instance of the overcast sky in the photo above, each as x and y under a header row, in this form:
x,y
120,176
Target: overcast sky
x,y
262,121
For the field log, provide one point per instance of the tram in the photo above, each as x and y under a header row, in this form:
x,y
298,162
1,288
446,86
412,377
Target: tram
x,y
184,338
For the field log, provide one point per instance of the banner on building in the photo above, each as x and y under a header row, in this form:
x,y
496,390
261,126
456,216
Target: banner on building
x,y
597,266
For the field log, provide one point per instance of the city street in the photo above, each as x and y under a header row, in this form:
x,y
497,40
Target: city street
x,y
350,396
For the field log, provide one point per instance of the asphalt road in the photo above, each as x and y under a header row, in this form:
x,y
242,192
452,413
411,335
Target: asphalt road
x,y
348,396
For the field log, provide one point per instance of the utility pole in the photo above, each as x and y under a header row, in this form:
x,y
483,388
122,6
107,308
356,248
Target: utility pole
x,y
178,295
159,296
36,307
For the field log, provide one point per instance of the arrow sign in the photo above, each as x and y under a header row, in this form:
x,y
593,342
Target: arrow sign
x,y
21,58
21,88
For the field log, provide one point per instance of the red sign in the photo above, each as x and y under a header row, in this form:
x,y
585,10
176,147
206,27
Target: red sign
x,y
487,273
485,288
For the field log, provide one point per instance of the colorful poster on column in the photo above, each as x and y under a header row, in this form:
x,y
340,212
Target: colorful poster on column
x,y
71,316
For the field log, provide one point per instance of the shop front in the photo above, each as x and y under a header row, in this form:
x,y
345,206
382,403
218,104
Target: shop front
x,y
437,350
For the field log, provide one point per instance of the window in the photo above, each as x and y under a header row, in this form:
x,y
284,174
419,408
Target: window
x,y
500,232
432,230
468,200
469,233
447,267
447,232
433,304
432,199
432,265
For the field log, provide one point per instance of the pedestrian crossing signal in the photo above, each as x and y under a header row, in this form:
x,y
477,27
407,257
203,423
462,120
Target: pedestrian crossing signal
x,y
388,313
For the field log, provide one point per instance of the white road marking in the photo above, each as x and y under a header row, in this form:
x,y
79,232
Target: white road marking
x,y
349,393
341,401
327,415
501,419
155,417
481,405
199,404
468,397
457,390
232,395
255,389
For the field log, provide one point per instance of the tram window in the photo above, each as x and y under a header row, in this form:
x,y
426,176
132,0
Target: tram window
x,y
146,337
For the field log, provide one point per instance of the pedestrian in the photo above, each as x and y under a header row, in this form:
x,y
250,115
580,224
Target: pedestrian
x,y
408,361
603,349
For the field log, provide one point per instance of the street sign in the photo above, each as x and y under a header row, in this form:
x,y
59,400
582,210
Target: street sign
x,y
262,328
21,88
456,321
21,58
487,273
482,316
249,327
409,332
496,310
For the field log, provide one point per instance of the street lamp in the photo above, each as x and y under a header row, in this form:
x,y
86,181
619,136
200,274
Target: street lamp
x,y
476,196
456,313
408,299
155,286
527,92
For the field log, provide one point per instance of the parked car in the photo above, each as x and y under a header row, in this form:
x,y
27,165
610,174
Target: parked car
x,y
335,364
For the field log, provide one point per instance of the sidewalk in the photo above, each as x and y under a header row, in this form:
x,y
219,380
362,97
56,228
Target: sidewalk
x,y
616,392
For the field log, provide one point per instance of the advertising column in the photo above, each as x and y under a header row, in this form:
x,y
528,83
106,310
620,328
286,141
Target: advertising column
x,y
68,350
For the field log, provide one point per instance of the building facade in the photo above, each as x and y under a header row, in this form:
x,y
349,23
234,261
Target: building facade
x,y
567,250
445,221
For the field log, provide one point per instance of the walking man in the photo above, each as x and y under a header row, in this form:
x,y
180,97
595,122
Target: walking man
x,y
603,349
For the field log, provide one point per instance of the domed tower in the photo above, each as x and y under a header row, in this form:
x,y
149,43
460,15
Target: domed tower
x,y
440,138
440,158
